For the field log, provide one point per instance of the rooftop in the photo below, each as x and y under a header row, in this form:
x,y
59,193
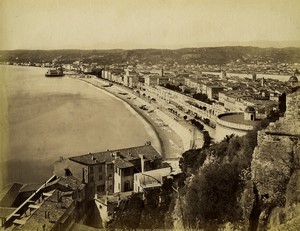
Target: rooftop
x,y
153,178
70,182
120,163
249,109
6,211
126,154
30,187
9,194
293,79
52,207
114,198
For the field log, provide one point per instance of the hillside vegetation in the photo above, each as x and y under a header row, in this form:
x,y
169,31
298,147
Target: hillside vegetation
x,y
209,55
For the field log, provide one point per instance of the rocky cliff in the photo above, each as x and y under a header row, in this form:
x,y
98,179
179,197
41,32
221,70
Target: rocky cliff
x,y
275,170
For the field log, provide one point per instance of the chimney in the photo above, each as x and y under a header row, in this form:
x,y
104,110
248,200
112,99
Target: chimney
x,y
142,162
83,180
60,195
116,154
93,158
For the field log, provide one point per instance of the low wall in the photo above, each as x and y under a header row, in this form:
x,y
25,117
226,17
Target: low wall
x,y
225,128
232,125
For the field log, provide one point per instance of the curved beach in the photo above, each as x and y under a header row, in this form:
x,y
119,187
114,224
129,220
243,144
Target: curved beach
x,y
157,141
174,138
52,117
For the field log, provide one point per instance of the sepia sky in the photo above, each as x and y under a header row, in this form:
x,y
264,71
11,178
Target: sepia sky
x,y
106,24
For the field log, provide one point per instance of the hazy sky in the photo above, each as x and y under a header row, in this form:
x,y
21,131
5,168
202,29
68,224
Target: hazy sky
x,y
104,24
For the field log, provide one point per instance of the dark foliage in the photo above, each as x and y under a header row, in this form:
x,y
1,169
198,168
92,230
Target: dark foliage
x,y
172,87
213,192
192,160
201,97
208,55
212,195
207,139
197,124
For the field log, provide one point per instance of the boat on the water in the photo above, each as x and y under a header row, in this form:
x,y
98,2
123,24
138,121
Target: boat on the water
x,y
55,72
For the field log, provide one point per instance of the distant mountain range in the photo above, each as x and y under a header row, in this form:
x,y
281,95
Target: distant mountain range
x,y
264,43
204,55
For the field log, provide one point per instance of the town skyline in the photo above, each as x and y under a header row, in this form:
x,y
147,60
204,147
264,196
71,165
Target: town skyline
x,y
156,24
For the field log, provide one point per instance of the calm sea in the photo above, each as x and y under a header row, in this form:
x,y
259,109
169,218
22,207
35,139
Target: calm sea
x,y
52,117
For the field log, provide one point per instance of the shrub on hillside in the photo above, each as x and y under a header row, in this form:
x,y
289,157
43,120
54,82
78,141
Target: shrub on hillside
x,y
212,195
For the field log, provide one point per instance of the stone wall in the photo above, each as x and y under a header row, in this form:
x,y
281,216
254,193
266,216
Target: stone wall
x,y
272,166
275,169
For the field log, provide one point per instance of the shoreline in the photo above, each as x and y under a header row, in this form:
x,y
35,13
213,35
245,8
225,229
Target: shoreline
x,y
131,106
172,144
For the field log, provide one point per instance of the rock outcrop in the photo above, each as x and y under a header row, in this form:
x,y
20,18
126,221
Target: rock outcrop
x,y
275,171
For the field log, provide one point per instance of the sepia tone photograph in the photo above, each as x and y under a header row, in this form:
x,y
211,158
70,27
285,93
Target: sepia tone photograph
x,y
149,115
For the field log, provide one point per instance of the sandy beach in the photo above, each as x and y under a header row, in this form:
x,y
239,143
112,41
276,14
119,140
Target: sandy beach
x,y
51,117
174,137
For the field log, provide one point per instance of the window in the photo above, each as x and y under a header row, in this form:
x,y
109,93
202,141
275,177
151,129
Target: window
x,y
119,186
91,178
116,170
91,169
100,188
100,177
100,169
127,172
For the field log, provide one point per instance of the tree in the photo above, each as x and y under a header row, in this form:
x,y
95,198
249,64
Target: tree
x,y
201,97
187,91
212,195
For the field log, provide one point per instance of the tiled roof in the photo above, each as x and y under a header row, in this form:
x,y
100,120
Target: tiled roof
x,y
127,154
51,206
30,187
120,163
70,182
9,194
6,211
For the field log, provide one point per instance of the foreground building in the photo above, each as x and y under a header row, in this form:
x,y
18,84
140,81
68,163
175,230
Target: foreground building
x,y
55,205
106,179
110,171
113,176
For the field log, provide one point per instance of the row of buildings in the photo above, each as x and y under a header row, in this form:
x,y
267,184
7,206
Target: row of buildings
x,y
103,180
229,98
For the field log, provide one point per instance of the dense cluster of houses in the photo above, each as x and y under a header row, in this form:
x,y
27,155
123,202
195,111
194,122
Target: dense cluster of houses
x,y
225,93
232,93
104,178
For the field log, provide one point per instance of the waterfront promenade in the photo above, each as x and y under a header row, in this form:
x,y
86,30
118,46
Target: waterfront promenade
x,y
175,136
